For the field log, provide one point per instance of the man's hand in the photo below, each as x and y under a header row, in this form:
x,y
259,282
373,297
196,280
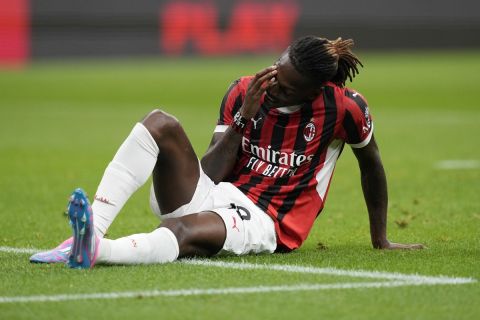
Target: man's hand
x,y
221,156
395,246
256,89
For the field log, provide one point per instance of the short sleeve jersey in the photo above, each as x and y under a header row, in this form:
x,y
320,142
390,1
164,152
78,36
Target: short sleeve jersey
x,y
286,159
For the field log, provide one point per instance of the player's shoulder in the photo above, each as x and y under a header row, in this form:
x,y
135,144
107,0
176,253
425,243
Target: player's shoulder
x,y
352,95
347,97
341,92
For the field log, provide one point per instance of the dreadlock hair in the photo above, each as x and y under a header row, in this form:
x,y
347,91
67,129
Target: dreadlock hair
x,y
324,60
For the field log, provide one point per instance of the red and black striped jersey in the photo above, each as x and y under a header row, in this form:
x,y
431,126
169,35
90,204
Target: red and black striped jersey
x,y
288,155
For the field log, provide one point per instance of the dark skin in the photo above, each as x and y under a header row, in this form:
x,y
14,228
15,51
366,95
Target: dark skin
x,y
374,186
176,173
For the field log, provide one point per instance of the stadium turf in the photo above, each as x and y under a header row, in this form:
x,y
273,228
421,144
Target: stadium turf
x,y
61,122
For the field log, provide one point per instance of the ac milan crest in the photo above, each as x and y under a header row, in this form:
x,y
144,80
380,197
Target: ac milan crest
x,y
309,132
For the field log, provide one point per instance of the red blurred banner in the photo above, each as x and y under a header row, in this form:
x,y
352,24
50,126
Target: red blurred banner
x,y
14,32
252,27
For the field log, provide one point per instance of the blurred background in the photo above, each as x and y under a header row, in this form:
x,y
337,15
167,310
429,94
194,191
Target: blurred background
x,y
31,30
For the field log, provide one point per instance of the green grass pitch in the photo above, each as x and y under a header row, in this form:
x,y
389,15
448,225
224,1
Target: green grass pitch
x,y
61,122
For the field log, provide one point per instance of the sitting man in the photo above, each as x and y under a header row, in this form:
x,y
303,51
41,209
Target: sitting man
x,y
263,180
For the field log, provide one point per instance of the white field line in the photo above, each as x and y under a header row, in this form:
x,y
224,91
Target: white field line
x,y
298,269
19,250
457,164
393,280
332,271
205,292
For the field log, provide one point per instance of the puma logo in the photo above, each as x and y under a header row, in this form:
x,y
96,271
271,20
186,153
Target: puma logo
x,y
235,224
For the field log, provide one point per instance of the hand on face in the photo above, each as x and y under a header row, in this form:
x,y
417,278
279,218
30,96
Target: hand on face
x,y
261,82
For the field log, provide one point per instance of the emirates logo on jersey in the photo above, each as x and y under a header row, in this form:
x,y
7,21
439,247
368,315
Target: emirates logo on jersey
x,y
309,132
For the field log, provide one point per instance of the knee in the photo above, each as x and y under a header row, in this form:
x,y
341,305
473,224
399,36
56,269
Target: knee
x,y
161,125
192,241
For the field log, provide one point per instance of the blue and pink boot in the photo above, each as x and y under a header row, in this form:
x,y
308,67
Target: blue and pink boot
x,y
59,254
84,241
85,244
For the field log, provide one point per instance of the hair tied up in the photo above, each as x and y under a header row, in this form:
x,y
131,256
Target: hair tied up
x,y
340,46
324,60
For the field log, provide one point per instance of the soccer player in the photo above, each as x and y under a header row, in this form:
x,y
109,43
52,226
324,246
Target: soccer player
x,y
263,180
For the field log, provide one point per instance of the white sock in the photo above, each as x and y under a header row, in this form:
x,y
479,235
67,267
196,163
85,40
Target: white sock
x,y
129,170
159,246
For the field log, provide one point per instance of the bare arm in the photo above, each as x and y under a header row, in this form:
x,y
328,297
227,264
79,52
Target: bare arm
x,y
221,156
374,185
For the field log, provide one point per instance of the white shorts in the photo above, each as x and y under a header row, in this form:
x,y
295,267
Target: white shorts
x,y
249,229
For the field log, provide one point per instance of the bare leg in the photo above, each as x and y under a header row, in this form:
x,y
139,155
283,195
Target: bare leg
x,y
175,178
198,234
176,172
